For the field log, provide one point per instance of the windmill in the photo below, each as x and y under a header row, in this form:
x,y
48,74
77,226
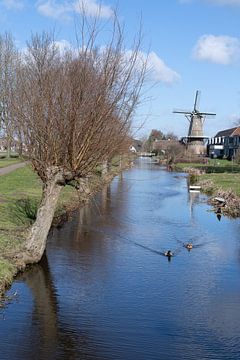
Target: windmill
x,y
195,139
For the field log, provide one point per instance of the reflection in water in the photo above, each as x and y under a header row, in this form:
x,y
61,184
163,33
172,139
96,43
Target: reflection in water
x,y
38,279
193,200
103,292
219,213
219,217
54,339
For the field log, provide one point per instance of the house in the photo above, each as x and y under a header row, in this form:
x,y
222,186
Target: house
x,y
136,146
225,143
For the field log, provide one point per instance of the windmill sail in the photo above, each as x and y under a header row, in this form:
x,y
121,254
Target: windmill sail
x,y
196,100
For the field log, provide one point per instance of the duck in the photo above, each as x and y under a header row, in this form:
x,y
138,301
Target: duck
x,y
189,246
168,253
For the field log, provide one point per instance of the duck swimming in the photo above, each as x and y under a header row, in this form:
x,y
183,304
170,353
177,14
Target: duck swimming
x,y
189,246
168,253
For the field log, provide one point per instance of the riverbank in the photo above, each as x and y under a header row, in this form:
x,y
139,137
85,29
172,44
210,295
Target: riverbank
x,y
231,205
20,194
217,178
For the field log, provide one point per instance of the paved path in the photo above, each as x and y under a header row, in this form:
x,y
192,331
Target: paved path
x,y
10,168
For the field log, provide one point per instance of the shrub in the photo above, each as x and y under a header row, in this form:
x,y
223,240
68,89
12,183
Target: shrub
x,y
193,179
24,211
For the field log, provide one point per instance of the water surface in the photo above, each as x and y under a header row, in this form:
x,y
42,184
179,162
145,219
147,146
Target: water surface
x,y
104,291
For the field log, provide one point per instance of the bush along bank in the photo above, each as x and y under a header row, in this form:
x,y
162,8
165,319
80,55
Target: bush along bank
x,y
21,213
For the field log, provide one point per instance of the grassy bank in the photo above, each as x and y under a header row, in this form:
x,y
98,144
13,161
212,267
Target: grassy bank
x,y
223,174
218,178
20,193
212,166
225,181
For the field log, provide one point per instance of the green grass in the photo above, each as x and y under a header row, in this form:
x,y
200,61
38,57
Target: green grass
x,y
21,184
213,166
16,185
6,162
10,241
226,181
223,173
7,271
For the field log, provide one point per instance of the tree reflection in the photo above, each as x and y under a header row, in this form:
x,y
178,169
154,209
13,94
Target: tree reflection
x,y
54,340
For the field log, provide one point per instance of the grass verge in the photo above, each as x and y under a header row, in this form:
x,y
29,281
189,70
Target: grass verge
x,y
212,166
6,162
225,181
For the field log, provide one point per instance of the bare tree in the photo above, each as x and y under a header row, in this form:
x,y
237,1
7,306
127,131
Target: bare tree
x,y
74,112
174,151
8,65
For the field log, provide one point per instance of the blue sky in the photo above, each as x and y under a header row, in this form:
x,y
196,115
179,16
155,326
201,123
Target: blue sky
x,y
192,44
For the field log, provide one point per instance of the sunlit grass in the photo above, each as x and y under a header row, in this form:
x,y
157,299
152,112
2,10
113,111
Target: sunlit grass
x,y
213,166
7,271
226,181
6,162
223,173
21,184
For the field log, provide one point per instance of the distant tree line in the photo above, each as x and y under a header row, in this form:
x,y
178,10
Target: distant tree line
x,y
156,135
167,146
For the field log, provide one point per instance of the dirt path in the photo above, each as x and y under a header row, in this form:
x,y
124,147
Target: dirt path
x,y
10,168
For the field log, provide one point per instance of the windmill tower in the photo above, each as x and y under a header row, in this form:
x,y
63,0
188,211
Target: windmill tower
x,y
195,138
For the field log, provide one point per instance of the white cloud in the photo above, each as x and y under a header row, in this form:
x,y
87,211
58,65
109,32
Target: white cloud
x,y
54,9
159,71
217,49
156,68
12,4
64,9
92,8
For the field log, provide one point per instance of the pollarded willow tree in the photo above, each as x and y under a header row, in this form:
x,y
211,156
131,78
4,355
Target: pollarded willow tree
x,y
74,111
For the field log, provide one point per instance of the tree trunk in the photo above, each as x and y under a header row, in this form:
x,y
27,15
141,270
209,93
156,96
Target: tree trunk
x,y
105,168
20,150
36,242
8,147
120,162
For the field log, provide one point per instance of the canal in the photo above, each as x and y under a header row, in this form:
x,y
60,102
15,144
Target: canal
x,y
105,291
